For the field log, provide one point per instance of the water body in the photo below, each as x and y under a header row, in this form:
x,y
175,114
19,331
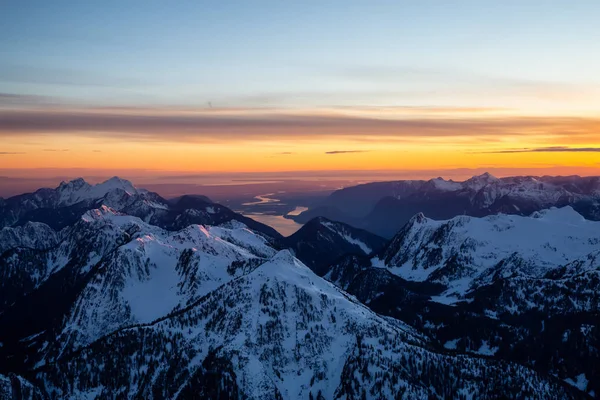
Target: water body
x,y
281,224
297,211
262,199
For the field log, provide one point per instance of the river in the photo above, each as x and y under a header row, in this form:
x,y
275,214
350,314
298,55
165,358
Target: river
x,y
281,224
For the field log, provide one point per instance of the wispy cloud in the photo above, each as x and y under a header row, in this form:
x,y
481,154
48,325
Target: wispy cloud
x,y
428,81
423,110
56,149
31,74
11,152
14,99
552,149
221,125
346,151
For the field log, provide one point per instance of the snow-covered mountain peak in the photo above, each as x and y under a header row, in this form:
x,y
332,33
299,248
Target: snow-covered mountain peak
x,y
445,185
419,218
79,190
75,184
113,184
152,272
488,176
118,183
107,215
485,177
105,219
284,258
565,215
479,181
103,212
457,251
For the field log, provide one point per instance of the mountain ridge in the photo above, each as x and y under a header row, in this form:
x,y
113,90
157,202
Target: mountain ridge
x,y
320,241
64,205
384,207
517,288
470,306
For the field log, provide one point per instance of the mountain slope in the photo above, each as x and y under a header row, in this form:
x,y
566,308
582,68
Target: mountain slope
x,y
281,332
31,235
157,272
321,241
118,270
15,387
41,252
188,210
463,250
143,302
524,289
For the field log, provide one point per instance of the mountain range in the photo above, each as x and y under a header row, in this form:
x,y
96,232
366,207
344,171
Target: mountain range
x,y
384,207
65,205
111,291
524,289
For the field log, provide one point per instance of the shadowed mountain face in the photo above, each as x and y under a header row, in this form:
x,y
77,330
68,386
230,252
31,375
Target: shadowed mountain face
x,y
384,207
320,242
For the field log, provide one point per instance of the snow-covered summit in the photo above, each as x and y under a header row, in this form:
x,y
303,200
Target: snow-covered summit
x,y
154,271
480,181
458,251
441,184
61,206
104,212
562,215
78,190
64,206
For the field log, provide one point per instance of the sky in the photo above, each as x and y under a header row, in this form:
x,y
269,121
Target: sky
x,y
188,87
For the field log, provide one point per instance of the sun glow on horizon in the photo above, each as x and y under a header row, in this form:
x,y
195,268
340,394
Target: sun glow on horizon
x,y
300,86
255,140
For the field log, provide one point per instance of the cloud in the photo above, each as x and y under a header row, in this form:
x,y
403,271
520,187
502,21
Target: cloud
x,y
14,99
416,110
429,81
11,152
56,149
346,151
222,125
552,149
257,102
31,74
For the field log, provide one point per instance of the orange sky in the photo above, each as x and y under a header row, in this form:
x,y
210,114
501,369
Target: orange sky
x,y
243,140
